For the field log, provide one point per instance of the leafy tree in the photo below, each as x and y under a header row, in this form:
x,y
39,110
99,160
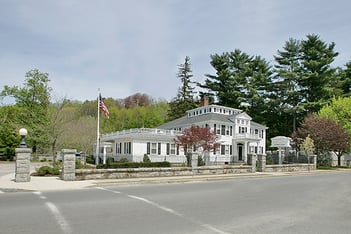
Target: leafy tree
x,y
198,137
307,146
9,126
327,136
339,109
185,98
79,134
60,113
137,99
33,99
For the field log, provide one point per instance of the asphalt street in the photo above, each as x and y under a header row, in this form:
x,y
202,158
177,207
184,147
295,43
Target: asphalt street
x,y
312,203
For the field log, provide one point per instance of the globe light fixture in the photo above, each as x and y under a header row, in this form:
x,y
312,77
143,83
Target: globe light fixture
x,y
23,133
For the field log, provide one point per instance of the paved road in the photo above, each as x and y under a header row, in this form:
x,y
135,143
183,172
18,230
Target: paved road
x,y
315,203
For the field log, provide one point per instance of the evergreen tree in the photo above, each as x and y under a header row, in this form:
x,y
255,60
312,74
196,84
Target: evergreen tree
x,y
304,81
228,85
318,77
345,79
287,91
241,81
185,97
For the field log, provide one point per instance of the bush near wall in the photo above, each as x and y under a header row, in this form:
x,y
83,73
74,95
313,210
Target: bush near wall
x,y
133,165
46,170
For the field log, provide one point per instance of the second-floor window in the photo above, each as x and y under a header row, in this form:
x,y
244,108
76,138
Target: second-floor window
x,y
242,129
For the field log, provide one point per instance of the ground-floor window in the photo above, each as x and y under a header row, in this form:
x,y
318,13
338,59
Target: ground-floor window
x,y
171,149
226,149
118,147
153,148
127,147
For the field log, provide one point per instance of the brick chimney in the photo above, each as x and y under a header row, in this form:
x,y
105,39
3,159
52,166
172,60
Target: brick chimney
x,y
204,101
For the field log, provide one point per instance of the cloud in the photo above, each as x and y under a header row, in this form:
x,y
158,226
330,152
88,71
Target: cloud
x,y
129,46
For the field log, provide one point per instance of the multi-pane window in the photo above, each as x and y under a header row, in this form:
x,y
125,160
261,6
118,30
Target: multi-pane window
x,y
148,148
242,129
223,130
119,148
171,149
225,149
127,147
153,148
158,148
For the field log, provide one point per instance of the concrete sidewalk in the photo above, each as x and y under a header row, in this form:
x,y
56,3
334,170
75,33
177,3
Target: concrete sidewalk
x,y
37,183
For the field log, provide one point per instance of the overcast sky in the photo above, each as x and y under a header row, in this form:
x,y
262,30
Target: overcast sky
x,y
125,47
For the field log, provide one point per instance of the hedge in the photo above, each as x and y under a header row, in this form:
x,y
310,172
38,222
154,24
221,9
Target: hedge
x,y
133,165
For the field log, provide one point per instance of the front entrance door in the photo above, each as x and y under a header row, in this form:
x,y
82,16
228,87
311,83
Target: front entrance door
x,y
240,152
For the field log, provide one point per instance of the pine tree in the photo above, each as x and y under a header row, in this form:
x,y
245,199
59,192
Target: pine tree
x,y
185,97
286,84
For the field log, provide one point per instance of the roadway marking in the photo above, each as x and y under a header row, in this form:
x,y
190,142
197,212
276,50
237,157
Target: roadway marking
x,y
156,205
169,210
60,219
108,190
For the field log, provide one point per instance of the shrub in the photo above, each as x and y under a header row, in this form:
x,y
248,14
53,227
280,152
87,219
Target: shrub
x,y
123,160
79,164
146,158
200,161
134,165
46,170
90,159
110,160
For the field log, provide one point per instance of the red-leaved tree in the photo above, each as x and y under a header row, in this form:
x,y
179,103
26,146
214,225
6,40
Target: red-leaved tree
x,y
198,137
327,135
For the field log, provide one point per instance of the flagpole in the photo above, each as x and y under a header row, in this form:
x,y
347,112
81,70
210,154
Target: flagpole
x,y
98,130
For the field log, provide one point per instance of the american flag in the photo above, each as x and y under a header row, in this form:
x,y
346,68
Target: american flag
x,y
103,106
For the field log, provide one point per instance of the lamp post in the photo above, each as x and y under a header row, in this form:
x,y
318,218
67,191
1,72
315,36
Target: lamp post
x,y
23,133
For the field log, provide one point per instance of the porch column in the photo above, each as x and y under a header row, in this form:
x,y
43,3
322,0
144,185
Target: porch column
x,y
245,152
104,155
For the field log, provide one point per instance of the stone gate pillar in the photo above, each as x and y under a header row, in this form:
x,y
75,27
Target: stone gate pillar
x,y
314,158
253,162
22,169
68,164
194,162
261,162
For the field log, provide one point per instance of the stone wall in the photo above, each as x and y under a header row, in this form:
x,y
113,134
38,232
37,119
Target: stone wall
x,y
290,168
90,174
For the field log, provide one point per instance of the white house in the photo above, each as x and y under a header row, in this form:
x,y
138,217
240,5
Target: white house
x,y
239,136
